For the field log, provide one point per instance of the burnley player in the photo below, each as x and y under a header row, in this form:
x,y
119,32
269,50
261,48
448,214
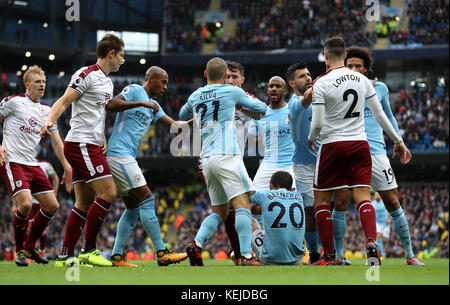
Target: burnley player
x,y
343,160
383,179
23,117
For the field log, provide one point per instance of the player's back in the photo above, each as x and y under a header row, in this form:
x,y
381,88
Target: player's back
x,y
343,92
284,225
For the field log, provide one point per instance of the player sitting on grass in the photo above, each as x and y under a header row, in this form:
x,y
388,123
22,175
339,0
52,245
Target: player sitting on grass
x,y
281,241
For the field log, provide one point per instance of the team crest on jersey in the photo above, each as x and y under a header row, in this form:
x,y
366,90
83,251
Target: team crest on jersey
x,y
287,121
99,169
19,183
33,122
137,178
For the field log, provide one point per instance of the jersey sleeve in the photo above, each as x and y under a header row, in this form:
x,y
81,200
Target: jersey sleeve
x,y
370,90
384,99
318,96
80,84
295,105
186,111
160,112
5,107
248,101
129,93
258,197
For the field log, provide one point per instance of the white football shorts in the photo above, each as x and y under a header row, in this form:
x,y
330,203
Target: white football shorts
x,y
384,229
126,173
383,177
304,179
226,178
264,174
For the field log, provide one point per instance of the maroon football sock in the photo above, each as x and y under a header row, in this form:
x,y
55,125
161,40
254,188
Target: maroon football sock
x,y
325,227
74,227
20,229
97,212
367,217
40,222
232,234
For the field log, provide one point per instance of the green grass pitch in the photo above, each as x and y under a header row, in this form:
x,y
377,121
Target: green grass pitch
x,y
217,272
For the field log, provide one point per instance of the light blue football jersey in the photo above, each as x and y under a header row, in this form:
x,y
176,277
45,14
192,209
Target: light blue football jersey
x,y
131,125
300,122
373,130
213,108
380,211
275,128
283,215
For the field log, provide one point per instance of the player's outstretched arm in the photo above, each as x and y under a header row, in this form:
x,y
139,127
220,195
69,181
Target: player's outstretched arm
x,y
307,98
57,109
185,112
58,147
249,113
119,104
318,116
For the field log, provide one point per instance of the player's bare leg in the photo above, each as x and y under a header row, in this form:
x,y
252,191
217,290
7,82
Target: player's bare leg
x,y
341,199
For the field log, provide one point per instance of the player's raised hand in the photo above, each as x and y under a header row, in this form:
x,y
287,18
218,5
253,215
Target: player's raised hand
x,y
3,151
403,152
44,129
67,179
151,105
307,96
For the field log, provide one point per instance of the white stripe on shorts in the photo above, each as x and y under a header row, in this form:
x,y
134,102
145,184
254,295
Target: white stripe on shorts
x,y
10,176
87,160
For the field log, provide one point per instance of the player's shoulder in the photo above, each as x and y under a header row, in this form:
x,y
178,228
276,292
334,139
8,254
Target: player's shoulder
x,y
381,86
132,87
44,105
13,98
87,71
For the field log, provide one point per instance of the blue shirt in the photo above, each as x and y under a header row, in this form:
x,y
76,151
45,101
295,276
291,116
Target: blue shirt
x,y
300,122
131,125
373,130
382,214
284,224
276,130
213,107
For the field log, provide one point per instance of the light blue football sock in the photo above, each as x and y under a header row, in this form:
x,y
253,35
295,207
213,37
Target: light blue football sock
x,y
312,241
340,227
151,223
207,229
243,225
402,228
125,227
380,246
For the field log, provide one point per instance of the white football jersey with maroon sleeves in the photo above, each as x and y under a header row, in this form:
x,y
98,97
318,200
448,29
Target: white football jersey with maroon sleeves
x,y
88,110
343,92
23,119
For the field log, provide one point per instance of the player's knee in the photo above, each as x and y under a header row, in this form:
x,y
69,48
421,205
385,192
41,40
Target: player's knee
x,y
392,204
24,207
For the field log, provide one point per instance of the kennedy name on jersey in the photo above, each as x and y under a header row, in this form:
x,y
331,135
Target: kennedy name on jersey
x,y
274,194
343,78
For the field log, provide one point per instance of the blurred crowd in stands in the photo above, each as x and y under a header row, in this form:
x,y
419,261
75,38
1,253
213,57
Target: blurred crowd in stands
x,y
282,24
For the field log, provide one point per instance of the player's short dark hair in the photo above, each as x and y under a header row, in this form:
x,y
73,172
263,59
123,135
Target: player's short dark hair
x,y
235,66
360,52
335,46
281,179
109,42
294,67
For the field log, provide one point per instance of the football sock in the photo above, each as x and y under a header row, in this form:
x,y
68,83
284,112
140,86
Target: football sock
x,y
367,218
259,219
20,228
207,229
74,227
40,222
151,223
340,227
232,234
324,224
243,226
380,246
95,215
125,227
402,228
312,241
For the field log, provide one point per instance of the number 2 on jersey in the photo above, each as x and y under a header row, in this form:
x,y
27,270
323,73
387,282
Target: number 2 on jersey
x,y
350,114
203,108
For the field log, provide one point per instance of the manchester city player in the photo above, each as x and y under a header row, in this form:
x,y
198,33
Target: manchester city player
x,y
383,179
130,126
303,158
227,180
283,213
